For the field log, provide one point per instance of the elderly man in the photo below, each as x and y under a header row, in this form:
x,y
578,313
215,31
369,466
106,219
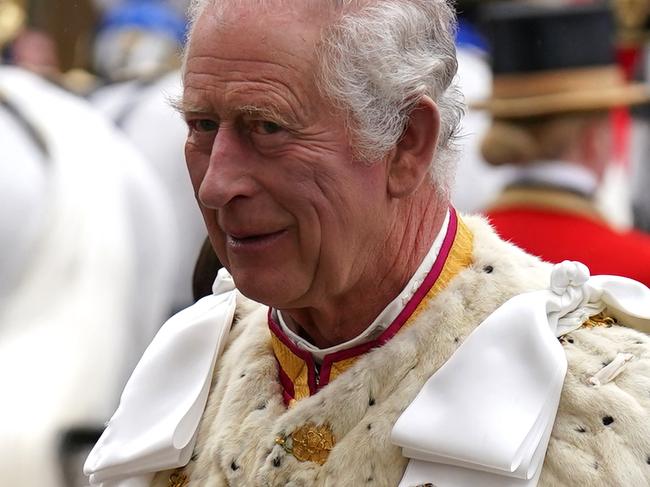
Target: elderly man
x,y
320,147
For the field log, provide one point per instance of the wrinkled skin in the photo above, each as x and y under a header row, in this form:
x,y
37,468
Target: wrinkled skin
x,y
300,224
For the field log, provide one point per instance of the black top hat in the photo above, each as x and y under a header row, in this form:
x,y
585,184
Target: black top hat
x,y
550,59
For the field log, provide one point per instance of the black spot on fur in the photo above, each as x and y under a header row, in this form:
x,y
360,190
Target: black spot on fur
x,y
596,465
607,420
456,340
647,460
370,479
195,457
277,461
243,375
261,406
369,427
488,269
581,429
570,340
234,466
371,402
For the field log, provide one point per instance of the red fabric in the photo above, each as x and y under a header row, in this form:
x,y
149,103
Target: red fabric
x,y
628,59
555,236
621,122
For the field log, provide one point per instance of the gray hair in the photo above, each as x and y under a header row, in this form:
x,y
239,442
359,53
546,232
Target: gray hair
x,y
377,60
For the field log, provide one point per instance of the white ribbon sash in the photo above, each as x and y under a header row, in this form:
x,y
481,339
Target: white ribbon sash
x,y
485,417
154,427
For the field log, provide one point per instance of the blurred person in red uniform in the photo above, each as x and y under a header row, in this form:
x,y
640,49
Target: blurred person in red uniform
x,y
477,183
551,102
634,25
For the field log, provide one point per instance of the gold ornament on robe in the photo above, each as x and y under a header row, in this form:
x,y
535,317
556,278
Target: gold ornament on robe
x,y
596,321
178,479
309,443
599,320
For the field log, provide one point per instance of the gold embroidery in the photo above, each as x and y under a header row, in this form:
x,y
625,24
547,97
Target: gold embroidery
x,y
601,319
292,365
341,366
459,258
309,443
312,443
178,479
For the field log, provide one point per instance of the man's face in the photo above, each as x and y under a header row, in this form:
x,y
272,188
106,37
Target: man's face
x,y
290,213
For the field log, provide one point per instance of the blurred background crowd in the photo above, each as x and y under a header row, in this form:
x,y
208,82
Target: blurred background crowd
x,y
99,230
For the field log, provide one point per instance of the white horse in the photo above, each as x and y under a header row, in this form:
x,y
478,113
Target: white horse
x,y
85,271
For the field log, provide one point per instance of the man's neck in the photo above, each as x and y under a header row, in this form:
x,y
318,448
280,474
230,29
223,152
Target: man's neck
x,y
348,315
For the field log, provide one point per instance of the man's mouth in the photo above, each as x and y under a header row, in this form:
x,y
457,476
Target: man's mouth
x,y
245,241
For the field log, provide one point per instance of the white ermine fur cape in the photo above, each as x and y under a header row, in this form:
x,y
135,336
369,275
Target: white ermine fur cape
x,y
601,436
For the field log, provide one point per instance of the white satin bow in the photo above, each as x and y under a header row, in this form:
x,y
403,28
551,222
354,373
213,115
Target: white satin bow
x,y
485,417
154,427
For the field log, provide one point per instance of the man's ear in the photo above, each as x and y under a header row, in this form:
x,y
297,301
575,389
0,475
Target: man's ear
x,y
409,163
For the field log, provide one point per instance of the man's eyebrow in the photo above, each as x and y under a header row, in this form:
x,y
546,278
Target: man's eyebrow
x,y
253,111
182,106
267,113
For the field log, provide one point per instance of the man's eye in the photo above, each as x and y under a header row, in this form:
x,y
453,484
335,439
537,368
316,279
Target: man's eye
x,y
204,125
264,127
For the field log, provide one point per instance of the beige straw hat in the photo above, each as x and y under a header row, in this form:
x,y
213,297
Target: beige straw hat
x,y
554,59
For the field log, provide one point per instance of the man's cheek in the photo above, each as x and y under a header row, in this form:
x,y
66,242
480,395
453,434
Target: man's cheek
x,y
197,166
217,238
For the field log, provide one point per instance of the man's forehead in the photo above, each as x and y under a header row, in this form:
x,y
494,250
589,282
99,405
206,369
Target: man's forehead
x,y
276,40
321,9
247,65
226,9
320,4
286,17
235,16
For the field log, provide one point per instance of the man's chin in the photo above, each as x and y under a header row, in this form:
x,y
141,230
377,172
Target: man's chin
x,y
269,290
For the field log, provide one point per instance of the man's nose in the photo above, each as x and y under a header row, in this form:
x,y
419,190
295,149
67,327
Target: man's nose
x,y
229,173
